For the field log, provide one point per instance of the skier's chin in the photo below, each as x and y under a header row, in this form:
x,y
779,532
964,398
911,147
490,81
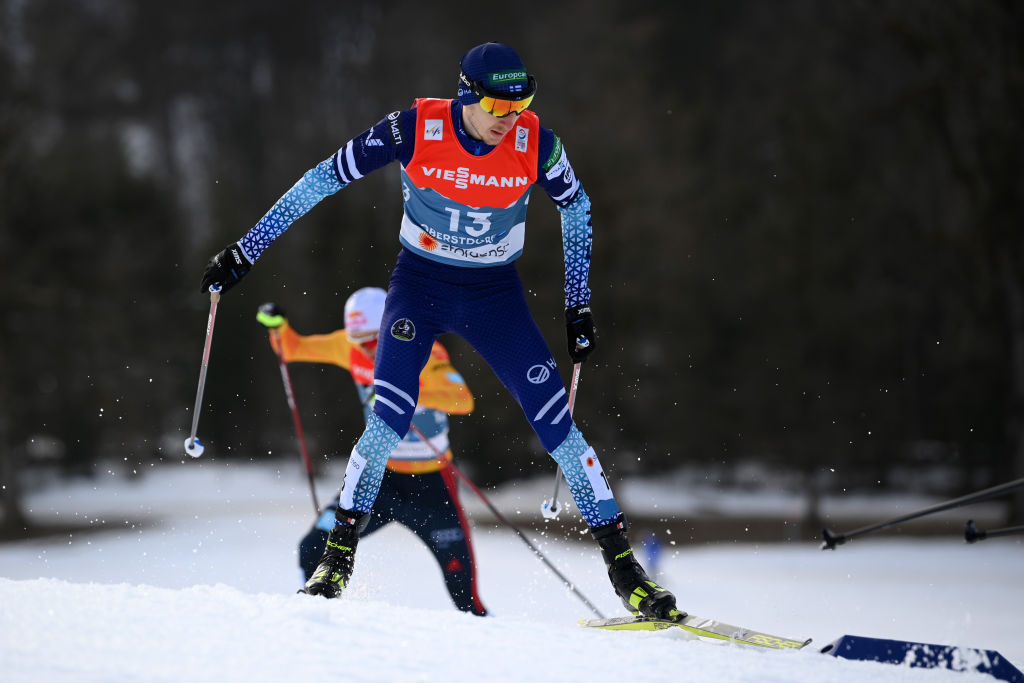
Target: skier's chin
x,y
495,136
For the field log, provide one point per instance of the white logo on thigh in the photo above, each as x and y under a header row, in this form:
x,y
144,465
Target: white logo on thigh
x,y
403,330
445,537
538,374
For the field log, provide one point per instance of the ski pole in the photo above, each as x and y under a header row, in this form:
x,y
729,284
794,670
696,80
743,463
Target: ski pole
x,y
832,540
501,518
973,533
290,395
193,446
550,508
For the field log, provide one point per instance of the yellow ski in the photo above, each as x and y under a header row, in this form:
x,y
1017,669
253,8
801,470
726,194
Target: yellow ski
x,y
700,626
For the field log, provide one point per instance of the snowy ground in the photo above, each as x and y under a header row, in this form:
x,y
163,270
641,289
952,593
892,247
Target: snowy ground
x,y
193,579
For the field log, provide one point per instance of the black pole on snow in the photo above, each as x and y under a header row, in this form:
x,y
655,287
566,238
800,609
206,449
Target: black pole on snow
x,y
973,533
535,549
501,518
831,540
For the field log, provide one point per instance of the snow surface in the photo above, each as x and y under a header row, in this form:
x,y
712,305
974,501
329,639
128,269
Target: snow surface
x,y
191,576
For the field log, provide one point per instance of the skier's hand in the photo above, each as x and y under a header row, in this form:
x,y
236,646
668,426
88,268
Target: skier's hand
x,y
270,315
225,269
579,327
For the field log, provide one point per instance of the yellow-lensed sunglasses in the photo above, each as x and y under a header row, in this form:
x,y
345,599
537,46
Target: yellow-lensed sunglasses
x,y
501,104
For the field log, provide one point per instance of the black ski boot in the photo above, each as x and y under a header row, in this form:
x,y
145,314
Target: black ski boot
x,y
331,576
638,593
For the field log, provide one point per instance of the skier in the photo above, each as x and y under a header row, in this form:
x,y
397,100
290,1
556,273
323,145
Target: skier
x,y
467,167
427,503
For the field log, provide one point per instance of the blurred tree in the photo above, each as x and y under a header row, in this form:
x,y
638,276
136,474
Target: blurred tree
x,y
807,225
969,95
828,306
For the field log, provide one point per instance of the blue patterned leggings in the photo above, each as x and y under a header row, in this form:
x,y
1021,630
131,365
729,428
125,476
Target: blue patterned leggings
x,y
487,308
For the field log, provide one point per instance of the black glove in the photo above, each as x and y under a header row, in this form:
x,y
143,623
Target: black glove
x,y
225,269
270,315
579,325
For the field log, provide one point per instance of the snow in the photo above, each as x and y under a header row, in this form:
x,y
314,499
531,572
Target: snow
x,y
190,575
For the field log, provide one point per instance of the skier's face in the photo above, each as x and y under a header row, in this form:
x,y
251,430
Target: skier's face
x,y
485,127
370,348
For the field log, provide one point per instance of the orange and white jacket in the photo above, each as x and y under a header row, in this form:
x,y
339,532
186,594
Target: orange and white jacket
x,y
443,392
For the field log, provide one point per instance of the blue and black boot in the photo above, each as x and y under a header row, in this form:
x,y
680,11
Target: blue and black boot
x,y
332,574
639,594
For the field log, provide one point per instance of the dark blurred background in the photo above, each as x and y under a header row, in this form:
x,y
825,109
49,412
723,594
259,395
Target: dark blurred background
x,y
808,229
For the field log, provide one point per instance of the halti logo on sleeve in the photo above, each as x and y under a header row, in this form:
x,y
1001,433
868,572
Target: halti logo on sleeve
x,y
396,129
432,129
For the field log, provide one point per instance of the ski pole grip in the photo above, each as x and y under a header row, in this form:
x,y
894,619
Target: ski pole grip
x,y
214,293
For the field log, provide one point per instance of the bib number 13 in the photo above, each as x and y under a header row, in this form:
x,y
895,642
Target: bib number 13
x,y
480,222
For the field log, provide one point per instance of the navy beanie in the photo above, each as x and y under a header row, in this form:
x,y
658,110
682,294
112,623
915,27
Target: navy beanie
x,y
496,66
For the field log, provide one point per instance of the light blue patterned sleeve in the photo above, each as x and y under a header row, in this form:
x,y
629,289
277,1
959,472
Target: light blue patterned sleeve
x,y
317,183
577,241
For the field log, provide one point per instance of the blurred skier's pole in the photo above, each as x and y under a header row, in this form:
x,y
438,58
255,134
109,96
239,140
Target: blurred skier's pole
x,y
832,540
501,518
290,395
973,533
550,508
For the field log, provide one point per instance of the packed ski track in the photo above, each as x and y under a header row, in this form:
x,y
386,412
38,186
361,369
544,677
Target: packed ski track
x,y
190,575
